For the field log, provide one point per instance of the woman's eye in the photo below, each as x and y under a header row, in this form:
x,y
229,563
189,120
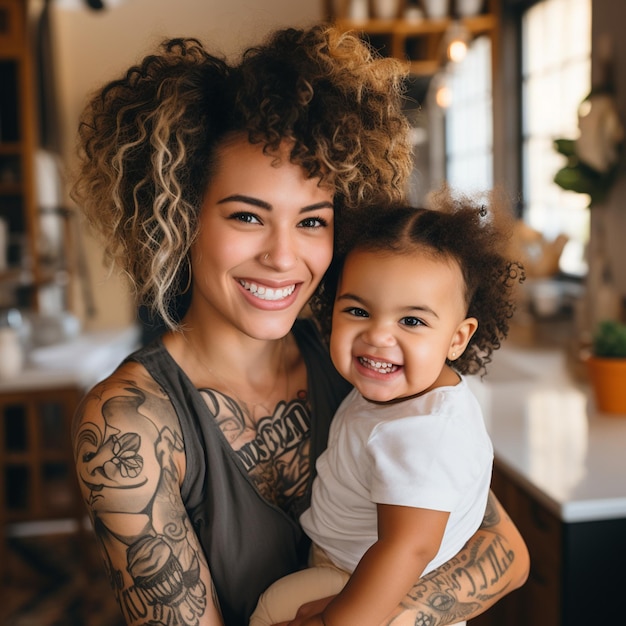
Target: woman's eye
x,y
313,222
411,321
246,218
356,312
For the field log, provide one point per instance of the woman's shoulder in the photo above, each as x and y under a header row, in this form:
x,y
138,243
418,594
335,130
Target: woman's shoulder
x,y
122,396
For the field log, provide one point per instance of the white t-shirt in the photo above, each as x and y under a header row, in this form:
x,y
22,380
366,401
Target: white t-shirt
x,y
430,452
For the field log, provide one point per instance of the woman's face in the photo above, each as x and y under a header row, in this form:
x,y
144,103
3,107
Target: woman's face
x,y
265,240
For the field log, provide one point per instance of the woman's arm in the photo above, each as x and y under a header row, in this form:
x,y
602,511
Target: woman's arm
x,y
130,463
493,563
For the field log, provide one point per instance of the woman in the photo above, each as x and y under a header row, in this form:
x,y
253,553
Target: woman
x,y
223,183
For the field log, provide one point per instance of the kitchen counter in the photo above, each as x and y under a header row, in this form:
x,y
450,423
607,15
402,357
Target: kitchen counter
x,y
38,492
548,436
79,362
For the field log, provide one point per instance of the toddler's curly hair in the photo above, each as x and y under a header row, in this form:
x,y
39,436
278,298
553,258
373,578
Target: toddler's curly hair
x,y
474,234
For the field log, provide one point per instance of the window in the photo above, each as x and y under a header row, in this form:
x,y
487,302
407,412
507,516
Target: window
x,y
469,121
556,77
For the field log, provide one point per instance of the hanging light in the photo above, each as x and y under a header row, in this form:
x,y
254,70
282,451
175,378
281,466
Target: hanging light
x,y
457,41
441,92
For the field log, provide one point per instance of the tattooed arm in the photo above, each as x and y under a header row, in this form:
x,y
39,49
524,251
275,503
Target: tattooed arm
x,y
130,465
493,563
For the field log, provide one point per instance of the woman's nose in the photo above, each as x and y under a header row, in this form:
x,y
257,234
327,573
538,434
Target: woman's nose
x,y
280,252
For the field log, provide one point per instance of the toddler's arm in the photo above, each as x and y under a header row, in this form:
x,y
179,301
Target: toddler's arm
x,y
408,539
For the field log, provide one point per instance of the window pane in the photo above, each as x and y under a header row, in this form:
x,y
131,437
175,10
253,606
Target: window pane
x,y
556,78
469,121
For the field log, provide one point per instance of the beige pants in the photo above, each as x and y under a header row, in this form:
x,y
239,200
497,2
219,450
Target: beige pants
x,y
281,601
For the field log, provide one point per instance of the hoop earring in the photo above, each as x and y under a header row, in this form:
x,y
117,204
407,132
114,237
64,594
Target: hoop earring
x,y
188,285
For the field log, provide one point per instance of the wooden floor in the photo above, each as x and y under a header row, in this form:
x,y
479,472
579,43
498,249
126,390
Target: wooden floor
x,y
55,581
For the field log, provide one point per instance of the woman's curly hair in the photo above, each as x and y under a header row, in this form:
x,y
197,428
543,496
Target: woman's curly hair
x,y
148,141
473,234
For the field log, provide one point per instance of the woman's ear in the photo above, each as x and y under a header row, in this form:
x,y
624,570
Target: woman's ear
x,y
461,337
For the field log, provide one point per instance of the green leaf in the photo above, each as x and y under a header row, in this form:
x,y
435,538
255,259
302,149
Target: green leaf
x,y
566,147
610,340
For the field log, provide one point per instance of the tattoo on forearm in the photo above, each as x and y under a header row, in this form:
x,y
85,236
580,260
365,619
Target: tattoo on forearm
x,y
459,588
132,510
492,513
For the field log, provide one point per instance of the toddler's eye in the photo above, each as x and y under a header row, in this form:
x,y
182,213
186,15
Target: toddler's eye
x,y
411,321
356,312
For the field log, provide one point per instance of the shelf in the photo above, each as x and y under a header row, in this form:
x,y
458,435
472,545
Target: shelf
x,y
18,140
417,41
10,148
10,189
476,25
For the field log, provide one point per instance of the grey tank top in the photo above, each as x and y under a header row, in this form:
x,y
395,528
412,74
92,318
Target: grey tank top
x,y
248,542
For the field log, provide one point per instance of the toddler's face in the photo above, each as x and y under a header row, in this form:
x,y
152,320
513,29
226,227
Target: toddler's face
x,y
397,317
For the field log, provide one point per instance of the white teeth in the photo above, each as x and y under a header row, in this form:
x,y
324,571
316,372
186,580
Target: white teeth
x,y
267,293
378,366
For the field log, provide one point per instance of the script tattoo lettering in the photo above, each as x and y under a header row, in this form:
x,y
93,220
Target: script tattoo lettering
x,y
131,509
276,434
275,452
456,590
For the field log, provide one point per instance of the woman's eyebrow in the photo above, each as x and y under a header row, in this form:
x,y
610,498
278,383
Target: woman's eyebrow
x,y
319,205
261,204
246,200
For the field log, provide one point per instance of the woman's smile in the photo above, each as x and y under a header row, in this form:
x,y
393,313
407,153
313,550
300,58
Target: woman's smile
x,y
269,298
267,293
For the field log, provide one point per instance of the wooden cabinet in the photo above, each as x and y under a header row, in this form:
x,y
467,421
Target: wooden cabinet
x,y
575,576
37,476
421,40
20,271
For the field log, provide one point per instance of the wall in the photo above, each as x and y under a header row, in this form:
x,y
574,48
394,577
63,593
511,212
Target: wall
x,y
91,47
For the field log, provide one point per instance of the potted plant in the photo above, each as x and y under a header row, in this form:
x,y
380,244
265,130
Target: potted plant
x,y
606,365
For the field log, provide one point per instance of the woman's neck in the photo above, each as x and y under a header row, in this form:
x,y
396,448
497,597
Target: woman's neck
x,y
207,353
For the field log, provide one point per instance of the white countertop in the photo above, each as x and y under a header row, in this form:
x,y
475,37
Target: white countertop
x,y
79,362
547,434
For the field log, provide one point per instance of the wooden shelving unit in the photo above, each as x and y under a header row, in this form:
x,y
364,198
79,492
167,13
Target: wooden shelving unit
x,y
18,132
37,476
420,42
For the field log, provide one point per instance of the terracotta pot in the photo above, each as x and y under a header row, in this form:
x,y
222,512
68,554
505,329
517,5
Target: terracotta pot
x,y
607,377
